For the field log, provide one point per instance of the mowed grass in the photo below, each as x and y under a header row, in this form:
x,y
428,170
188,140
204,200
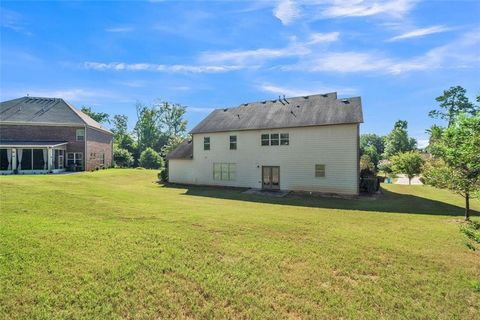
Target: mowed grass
x,y
115,244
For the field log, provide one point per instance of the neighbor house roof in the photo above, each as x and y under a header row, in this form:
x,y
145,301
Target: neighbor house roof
x,y
35,110
183,151
314,110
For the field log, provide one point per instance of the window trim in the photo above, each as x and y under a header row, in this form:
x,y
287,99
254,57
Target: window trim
x,y
318,171
285,138
81,135
233,143
275,141
224,171
264,137
76,156
206,143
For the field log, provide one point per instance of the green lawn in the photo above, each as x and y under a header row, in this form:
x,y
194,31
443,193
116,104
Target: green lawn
x,y
115,244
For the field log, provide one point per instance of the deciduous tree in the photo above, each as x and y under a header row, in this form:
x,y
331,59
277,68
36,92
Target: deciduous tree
x,y
457,164
398,141
100,117
409,163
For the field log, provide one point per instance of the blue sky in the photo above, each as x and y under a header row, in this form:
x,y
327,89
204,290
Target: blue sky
x,y
397,55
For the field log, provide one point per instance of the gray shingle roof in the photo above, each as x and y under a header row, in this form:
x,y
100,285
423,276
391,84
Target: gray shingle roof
x,y
33,110
314,110
183,151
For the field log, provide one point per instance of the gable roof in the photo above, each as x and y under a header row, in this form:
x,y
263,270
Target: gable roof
x,y
314,110
36,110
183,151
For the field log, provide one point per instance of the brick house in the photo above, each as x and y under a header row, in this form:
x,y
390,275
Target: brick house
x,y
49,135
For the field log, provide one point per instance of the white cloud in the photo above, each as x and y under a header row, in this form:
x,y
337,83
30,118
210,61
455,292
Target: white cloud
x,y
363,8
14,21
119,29
460,53
421,32
343,62
294,49
295,92
177,68
244,56
422,143
286,11
323,37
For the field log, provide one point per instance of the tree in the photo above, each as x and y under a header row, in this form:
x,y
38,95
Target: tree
x,y
385,166
409,163
122,157
120,125
397,141
435,132
371,139
122,138
100,117
452,103
147,129
457,167
171,119
150,159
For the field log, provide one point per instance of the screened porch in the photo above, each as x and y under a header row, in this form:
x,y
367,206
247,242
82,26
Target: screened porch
x,y
32,157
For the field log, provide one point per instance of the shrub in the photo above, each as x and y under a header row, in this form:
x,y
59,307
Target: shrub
x,y
367,168
122,157
150,159
369,184
163,174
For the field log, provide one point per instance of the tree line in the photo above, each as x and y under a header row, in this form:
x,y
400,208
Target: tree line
x,y
159,128
450,161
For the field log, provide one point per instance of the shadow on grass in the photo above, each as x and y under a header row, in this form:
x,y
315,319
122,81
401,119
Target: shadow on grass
x,y
387,202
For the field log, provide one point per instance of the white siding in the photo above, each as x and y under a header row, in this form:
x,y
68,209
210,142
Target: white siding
x,y
334,146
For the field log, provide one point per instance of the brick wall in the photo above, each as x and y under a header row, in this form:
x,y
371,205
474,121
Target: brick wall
x,y
98,144
43,133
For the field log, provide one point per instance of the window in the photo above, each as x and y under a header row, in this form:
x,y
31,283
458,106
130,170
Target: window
x,y
75,159
233,142
206,143
284,139
274,139
265,140
320,170
224,171
80,134
102,159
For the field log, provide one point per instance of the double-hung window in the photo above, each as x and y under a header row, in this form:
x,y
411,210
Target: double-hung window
x,y
265,139
233,142
206,143
80,133
284,139
319,170
274,139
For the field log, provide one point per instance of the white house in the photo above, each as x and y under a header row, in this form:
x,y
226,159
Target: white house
x,y
308,143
